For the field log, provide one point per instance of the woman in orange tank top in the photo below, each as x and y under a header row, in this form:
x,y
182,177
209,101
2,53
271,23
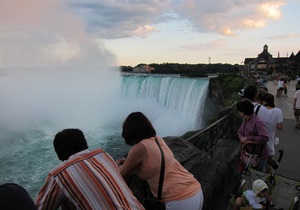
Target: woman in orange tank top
x,y
180,189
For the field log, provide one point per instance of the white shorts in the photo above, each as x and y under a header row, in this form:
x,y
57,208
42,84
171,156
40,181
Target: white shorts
x,y
193,203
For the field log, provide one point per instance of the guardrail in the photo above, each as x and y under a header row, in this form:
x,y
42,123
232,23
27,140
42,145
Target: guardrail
x,y
207,138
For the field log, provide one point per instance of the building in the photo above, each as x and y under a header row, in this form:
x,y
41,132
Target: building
x,y
143,69
265,64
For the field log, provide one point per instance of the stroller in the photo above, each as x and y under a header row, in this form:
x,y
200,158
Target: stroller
x,y
249,157
285,192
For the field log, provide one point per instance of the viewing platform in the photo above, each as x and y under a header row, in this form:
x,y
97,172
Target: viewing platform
x,y
289,136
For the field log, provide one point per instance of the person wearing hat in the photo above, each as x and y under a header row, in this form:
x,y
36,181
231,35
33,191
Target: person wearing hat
x,y
255,198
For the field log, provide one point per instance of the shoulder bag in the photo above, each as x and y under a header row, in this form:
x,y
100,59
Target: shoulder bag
x,y
152,203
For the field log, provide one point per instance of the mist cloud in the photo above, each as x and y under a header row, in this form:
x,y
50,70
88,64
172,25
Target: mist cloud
x,y
46,34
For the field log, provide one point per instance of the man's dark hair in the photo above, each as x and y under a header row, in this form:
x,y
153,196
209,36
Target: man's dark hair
x,y
68,142
250,92
137,127
246,107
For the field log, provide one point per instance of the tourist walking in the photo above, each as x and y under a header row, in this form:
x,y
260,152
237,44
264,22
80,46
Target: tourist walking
x,y
273,121
280,85
85,179
285,87
180,189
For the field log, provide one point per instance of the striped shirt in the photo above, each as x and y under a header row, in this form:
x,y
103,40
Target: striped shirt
x,y
87,180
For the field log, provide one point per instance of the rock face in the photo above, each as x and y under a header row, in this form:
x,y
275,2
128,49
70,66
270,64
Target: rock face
x,y
215,93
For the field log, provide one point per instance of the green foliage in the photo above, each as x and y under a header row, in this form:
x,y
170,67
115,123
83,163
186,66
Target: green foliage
x,y
230,85
126,69
194,69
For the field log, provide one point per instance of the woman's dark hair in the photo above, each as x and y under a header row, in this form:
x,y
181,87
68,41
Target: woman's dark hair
x,y
68,142
137,127
246,107
269,99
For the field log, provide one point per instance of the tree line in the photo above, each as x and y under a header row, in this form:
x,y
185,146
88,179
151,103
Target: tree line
x,y
188,69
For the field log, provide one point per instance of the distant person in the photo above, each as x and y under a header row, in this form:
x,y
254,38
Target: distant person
x,y
252,130
285,88
280,87
85,179
273,121
296,107
180,189
15,197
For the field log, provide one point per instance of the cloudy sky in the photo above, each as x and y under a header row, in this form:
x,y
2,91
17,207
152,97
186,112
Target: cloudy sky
x,y
35,33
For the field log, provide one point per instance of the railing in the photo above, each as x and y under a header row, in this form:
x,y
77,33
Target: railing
x,y
207,138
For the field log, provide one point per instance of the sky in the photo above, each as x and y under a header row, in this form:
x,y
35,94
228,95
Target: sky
x,y
93,33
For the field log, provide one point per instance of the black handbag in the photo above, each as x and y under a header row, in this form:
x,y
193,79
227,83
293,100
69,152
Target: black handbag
x,y
152,203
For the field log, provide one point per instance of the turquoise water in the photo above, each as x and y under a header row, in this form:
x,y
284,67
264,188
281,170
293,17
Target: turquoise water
x,y
35,105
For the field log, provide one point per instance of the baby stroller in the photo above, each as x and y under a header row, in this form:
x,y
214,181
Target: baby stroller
x,y
249,157
285,192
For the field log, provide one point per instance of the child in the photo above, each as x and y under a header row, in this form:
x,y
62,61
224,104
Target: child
x,y
255,198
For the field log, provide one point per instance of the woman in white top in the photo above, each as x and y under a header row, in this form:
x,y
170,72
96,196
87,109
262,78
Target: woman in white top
x,y
273,121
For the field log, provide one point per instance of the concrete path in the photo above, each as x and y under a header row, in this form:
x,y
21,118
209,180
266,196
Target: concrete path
x,y
289,136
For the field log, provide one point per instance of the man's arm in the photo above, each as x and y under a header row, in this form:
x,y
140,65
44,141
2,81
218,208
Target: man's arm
x,y
49,195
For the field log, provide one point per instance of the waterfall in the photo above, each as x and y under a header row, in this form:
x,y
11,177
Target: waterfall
x,y
183,97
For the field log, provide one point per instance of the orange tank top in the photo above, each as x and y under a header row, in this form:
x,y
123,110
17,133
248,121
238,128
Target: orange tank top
x,y
178,183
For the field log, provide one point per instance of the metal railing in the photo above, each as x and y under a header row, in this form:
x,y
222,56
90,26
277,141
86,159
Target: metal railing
x,y
207,138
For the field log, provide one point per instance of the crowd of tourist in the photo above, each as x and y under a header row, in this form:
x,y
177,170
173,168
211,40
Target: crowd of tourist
x,y
271,117
261,120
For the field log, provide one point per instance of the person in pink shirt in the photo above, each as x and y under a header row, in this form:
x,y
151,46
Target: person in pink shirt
x,y
181,190
252,130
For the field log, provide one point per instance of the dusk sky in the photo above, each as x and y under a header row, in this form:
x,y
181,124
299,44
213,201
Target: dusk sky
x,y
37,33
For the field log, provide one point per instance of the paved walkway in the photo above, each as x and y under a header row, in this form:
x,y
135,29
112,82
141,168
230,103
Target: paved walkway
x,y
289,136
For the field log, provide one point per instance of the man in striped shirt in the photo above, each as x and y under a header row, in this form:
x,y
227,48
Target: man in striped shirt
x,y
85,179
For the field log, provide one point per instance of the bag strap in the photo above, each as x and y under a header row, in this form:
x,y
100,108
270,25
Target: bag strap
x,y
162,172
257,109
